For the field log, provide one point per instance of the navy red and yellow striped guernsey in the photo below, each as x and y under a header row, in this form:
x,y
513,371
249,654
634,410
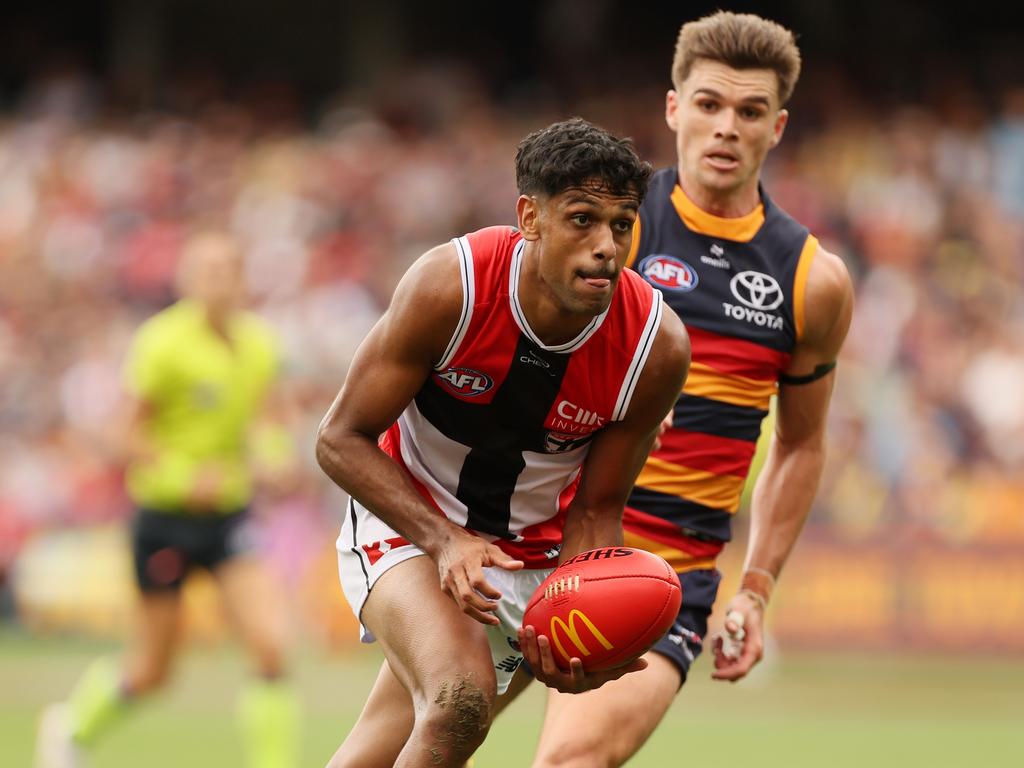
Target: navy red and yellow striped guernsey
x,y
738,285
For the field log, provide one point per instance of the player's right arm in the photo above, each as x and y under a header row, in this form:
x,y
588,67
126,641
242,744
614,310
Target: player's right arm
x,y
388,370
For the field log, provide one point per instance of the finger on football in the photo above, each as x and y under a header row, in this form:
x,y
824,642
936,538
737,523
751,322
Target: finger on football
x,y
530,648
547,658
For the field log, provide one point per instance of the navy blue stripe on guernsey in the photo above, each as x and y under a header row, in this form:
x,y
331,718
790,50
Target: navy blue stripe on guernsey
x,y
688,515
713,417
497,433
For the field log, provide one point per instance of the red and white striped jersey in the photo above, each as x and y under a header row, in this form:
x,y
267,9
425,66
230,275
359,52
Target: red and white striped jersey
x,y
496,436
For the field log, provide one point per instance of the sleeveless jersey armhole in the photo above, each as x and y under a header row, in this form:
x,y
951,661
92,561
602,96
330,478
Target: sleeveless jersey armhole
x,y
640,355
803,268
466,273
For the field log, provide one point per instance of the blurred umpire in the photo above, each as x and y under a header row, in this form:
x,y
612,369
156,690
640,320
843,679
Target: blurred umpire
x,y
197,375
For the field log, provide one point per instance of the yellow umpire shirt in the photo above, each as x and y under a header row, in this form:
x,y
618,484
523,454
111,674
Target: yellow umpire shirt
x,y
202,394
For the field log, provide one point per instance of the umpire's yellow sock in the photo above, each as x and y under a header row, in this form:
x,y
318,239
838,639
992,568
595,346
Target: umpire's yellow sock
x,y
96,701
268,716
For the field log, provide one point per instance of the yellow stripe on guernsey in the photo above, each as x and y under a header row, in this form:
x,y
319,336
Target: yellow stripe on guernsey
x,y
705,381
711,490
679,560
803,268
634,246
739,230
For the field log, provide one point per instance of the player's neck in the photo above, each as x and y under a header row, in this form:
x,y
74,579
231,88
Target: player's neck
x,y
548,318
726,204
219,319
553,324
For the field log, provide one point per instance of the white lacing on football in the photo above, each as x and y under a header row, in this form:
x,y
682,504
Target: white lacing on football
x,y
561,586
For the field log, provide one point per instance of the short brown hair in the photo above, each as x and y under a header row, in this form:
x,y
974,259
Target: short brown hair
x,y
742,41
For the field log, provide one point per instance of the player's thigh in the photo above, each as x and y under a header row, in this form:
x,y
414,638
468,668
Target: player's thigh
x,y
432,647
155,638
619,718
254,603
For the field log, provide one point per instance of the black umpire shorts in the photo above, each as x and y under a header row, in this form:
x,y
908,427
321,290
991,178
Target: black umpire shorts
x,y
167,545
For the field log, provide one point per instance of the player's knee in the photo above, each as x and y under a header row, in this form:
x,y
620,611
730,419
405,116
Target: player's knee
x,y
457,716
269,662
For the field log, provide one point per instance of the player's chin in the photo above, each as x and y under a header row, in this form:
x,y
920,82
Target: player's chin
x,y
594,302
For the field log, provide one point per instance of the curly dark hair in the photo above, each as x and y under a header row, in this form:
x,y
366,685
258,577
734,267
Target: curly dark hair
x,y
572,152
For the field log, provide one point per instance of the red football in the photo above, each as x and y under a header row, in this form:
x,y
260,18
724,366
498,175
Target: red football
x,y
605,606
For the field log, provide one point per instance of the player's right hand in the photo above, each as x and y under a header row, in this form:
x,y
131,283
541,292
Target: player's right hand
x,y
536,650
461,569
206,489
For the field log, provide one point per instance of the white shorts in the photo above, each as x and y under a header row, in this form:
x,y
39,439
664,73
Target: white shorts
x,y
368,548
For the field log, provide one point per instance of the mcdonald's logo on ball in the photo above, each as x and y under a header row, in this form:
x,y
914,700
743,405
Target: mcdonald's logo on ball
x,y
605,608
572,634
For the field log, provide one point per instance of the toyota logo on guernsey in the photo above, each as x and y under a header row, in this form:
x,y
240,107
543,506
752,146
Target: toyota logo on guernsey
x,y
756,289
465,381
758,293
668,272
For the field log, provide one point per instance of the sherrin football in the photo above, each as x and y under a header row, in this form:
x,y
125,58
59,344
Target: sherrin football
x,y
605,606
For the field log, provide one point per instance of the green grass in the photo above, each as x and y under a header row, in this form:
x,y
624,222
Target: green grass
x,y
825,711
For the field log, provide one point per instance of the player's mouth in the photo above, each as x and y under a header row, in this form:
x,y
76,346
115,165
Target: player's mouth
x,y
599,281
722,160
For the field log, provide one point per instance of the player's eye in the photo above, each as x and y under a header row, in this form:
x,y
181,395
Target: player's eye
x,y
750,113
706,105
622,226
581,219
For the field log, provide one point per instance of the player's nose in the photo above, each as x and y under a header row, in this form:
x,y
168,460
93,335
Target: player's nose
x,y
725,126
604,246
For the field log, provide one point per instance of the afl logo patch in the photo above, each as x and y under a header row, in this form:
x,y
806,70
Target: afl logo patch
x,y
668,272
465,381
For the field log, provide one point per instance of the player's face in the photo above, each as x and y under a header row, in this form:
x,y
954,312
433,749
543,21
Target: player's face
x,y
215,275
725,121
583,236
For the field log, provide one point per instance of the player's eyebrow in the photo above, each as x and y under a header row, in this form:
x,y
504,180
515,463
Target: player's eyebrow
x,y
585,198
748,100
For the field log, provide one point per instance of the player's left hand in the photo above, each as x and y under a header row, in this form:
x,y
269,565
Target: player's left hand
x,y
537,652
740,645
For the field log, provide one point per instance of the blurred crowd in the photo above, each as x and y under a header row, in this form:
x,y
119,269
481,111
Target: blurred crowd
x,y
924,202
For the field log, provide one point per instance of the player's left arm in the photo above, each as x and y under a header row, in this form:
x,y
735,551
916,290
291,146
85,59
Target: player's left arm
x,y
789,478
594,518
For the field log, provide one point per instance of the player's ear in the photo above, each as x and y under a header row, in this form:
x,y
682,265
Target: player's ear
x,y
671,108
780,127
528,216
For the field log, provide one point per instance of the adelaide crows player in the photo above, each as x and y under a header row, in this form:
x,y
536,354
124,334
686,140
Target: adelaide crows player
x,y
767,310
